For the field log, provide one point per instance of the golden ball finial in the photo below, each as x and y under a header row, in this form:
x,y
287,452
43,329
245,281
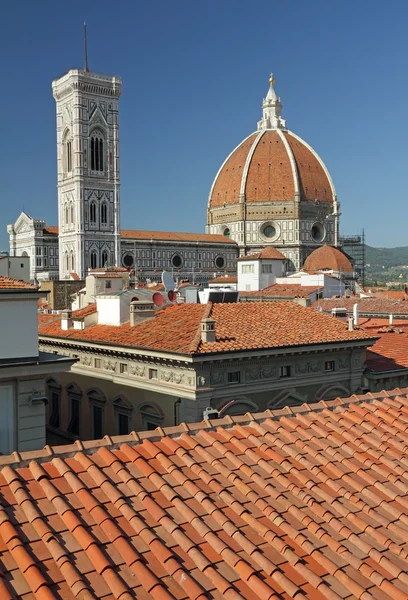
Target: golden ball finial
x,y
271,79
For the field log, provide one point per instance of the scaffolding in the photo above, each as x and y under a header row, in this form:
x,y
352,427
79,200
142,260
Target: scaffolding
x,y
354,246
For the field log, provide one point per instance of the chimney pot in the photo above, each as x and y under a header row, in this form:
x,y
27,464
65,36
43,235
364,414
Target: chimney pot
x,y
66,320
391,319
140,310
207,330
351,323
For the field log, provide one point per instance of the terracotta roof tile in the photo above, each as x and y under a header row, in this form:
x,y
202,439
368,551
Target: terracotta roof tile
x,y
172,236
51,229
304,503
268,253
239,326
367,306
106,275
110,270
327,257
7,283
283,291
75,276
224,279
85,311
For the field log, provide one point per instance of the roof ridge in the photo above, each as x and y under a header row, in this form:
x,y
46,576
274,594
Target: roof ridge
x,y
135,438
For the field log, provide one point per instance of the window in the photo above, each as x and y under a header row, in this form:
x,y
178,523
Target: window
x,y
55,416
97,402
267,268
73,426
234,377
72,214
176,261
269,231
54,396
128,260
69,156
152,416
152,373
97,363
97,159
123,424
247,269
104,213
72,261
108,284
38,262
318,232
220,262
97,420
93,259
284,371
329,365
123,368
105,258
92,212
227,233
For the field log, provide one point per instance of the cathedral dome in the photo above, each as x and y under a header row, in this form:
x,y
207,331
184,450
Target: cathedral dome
x,y
274,189
329,258
272,165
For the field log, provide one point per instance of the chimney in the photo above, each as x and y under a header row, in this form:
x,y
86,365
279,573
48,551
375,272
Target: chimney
x,y
140,311
351,323
355,313
391,318
207,330
66,319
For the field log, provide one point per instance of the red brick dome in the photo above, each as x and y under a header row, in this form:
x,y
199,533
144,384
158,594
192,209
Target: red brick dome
x,y
272,165
327,257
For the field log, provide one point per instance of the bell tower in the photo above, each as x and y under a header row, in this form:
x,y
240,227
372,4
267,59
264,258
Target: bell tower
x,y
88,170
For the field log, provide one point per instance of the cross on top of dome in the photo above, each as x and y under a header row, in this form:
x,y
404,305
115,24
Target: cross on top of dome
x,y
271,109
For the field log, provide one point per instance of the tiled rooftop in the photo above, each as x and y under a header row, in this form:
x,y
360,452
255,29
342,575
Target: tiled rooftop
x,y
173,236
224,279
327,257
112,269
7,283
51,229
85,311
292,290
240,326
304,503
268,253
390,352
367,306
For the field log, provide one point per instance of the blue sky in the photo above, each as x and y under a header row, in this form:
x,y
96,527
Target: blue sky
x,y
194,75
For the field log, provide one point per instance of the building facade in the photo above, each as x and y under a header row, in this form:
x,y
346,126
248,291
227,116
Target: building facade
x,y
274,189
88,170
23,368
176,362
33,239
198,256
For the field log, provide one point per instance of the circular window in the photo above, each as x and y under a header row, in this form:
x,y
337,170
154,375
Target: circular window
x,y
227,233
270,231
176,261
220,262
318,232
128,260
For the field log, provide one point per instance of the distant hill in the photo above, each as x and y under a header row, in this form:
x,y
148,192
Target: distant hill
x,y
387,257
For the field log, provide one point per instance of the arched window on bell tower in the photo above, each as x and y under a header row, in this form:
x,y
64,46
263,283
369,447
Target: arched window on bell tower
x,y
93,259
97,152
92,212
67,152
104,213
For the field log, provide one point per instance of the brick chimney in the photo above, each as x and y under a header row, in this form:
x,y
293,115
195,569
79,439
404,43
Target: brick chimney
x,y
207,330
66,319
140,311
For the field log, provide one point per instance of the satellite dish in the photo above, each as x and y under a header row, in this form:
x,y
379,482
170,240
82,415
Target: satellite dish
x,y
168,281
158,299
171,295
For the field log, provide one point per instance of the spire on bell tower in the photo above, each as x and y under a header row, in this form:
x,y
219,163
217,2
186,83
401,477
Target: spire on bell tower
x,y
271,109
